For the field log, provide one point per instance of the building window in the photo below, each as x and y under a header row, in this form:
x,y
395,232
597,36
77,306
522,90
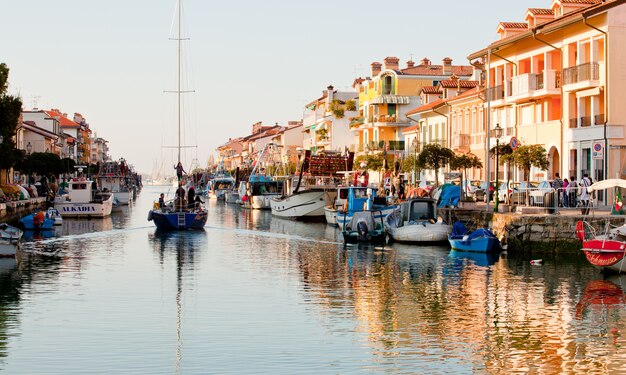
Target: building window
x,y
387,85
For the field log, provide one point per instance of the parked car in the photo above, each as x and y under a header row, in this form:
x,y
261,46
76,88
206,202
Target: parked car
x,y
537,195
470,187
521,191
481,192
505,190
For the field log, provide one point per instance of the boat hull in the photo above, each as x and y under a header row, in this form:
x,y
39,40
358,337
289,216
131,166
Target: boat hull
x,y
85,209
231,196
302,205
9,240
331,216
420,233
262,202
178,220
606,254
478,244
28,223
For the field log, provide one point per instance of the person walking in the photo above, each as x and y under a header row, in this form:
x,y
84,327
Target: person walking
x,y
572,191
564,193
557,185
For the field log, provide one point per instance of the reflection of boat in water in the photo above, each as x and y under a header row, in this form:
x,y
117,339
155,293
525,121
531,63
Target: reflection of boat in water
x,y
479,259
78,226
601,295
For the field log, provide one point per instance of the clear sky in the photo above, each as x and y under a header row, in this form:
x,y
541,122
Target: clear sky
x,y
247,60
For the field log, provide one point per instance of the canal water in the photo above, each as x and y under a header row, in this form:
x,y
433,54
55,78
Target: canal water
x,y
253,294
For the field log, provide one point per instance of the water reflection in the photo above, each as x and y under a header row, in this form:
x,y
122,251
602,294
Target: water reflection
x,y
479,259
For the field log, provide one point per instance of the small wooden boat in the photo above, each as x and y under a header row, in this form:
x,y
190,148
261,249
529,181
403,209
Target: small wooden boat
x,y
482,240
365,226
9,240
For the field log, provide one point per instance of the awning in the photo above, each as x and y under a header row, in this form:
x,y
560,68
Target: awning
x,y
391,99
589,92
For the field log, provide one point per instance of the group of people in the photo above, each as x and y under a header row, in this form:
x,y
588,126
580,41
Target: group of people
x,y
184,200
570,192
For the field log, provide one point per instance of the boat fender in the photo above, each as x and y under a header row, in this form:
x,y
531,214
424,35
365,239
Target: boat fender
x,y
536,262
150,215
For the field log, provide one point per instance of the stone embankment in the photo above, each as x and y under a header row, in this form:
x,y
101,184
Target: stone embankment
x,y
532,230
11,212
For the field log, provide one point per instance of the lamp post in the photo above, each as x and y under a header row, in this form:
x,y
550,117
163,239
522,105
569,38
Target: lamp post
x,y
29,148
415,144
498,133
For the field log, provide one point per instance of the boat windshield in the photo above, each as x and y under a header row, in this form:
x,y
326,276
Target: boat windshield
x,y
421,210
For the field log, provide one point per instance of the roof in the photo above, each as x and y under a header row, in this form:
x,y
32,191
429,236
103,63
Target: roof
x,y
32,126
469,93
513,25
437,70
431,90
541,12
426,107
63,121
581,1
569,18
454,83
411,129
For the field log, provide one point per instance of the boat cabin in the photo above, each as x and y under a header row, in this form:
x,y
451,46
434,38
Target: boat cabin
x,y
421,209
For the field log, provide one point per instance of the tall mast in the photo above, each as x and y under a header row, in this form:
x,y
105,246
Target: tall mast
x,y
179,70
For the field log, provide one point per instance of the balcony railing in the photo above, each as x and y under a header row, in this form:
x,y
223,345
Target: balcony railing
x,y
583,72
396,146
356,121
598,119
495,93
573,123
585,121
460,141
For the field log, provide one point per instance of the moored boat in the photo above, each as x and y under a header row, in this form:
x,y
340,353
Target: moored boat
x,y
481,240
415,221
83,199
359,199
38,220
365,227
9,240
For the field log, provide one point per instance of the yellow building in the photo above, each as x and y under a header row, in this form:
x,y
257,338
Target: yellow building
x,y
387,96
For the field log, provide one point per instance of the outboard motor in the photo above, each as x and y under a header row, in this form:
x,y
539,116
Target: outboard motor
x,y
362,229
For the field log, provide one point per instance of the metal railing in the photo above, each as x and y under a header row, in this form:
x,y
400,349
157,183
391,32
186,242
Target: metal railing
x,y
583,72
548,199
585,121
598,119
495,93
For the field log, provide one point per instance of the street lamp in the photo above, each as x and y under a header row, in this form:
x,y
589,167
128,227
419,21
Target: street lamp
x,y
415,144
29,148
498,133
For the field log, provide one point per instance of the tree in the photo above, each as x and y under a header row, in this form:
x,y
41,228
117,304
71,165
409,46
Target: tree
x,y
434,157
464,162
10,110
527,156
374,162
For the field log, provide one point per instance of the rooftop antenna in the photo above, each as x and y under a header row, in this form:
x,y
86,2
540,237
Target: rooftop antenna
x,y
35,100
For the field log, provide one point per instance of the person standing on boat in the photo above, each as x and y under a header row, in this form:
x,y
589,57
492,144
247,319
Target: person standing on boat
x,y
179,171
180,197
162,201
191,195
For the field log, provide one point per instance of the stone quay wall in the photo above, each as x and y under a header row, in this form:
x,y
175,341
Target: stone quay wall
x,y
11,212
534,232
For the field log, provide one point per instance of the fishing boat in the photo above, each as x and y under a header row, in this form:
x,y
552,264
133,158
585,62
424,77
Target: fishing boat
x,y
358,199
55,215
9,240
364,227
116,178
315,187
177,214
415,221
38,220
257,192
481,240
606,248
219,186
83,199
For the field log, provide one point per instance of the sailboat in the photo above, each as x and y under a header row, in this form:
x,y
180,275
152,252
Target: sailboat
x,y
178,214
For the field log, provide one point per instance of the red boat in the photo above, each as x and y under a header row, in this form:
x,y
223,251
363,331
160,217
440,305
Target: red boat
x,y
604,251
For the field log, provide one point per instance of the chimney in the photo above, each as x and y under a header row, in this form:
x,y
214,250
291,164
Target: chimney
x,y
447,65
410,64
329,93
425,61
391,63
376,68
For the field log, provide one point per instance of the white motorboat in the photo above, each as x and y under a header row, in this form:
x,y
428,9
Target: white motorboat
x,y
311,195
55,215
115,178
415,222
219,186
83,199
9,240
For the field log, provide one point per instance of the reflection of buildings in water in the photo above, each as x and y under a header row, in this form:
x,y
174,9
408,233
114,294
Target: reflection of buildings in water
x,y
10,285
81,226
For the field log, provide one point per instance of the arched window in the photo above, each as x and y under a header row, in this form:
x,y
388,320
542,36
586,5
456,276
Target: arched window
x,y
387,85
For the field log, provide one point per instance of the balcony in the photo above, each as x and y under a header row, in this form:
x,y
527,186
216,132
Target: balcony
x,y
356,121
495,93
581,76
599,119
585,121
388,120
461,142
530,85
395,146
